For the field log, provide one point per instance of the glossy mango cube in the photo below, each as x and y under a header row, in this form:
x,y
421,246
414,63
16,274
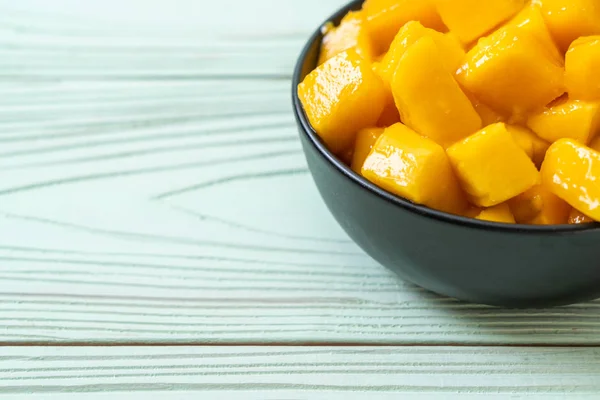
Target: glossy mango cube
x,y
581,69
414,167
470,19
350,34
341,97
449,47
570,19
500,213
386,17
512,72
571,171
577,217
579,120
491,167
532,145
365,140
539,206
428,97
487,115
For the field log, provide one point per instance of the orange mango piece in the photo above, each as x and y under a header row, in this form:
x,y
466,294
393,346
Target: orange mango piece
x,y
491,167
532,145
581,69
386,17
570,19
546,207
450,49
571,172
350,34
390,114
414,167
470,19
487,115
365,140
576,218
429,99
340,97
500,213
573,119
511,72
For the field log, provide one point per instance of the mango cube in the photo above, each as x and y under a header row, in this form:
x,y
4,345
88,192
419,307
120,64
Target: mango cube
x,y
500,213
532,145
491,167
365,140
539,206
581,69
570,19
470,19
350,34
577,217
573,119
512,72
414,167
430,101
340,97
386,17
450,49
572,172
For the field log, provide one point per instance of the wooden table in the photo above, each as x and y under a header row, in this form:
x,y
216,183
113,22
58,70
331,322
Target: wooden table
x,y
162,238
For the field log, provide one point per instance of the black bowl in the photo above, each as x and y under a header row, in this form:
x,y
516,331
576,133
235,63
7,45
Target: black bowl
x,y
471,260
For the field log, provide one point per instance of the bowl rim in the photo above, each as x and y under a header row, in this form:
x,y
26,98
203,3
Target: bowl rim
x,y
407,205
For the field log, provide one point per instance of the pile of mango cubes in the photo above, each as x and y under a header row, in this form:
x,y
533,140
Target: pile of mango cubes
x,y
488,109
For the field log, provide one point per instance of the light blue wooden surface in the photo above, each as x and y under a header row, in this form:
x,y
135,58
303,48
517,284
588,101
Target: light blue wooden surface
x,y
127,131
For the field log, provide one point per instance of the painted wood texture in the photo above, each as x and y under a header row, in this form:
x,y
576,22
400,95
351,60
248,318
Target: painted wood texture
x,y
295,373
152,189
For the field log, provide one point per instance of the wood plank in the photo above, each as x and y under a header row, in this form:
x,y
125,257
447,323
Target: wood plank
x,y
285,372
126,139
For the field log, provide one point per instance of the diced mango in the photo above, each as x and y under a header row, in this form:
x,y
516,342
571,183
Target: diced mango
x,y
470,19
511,72
570,19
527,140
572,172
573,119
347,156
491,167
340,97
472,211
350,34
386,17
365,140
531,20
414,167
581,69
500,213
551,209
487,115
390,114
430,101
595,144
450,49
577,217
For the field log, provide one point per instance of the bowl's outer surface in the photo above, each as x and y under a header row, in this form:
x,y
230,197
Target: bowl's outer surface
x,y
473,261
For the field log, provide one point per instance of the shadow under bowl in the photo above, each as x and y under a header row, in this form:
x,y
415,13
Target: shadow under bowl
x,y
482,262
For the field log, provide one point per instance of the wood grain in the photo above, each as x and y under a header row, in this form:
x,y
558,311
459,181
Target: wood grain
x,y
294,373
152,189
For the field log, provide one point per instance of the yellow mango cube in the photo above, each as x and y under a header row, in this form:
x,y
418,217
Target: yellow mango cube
x,y
386,17
350,34
581,69
570,19
573,119
340,97
500,213
491,167
532,145
512,72
450,49
539,206
365,140
414,167
571,171
429,99
577,217
470,19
